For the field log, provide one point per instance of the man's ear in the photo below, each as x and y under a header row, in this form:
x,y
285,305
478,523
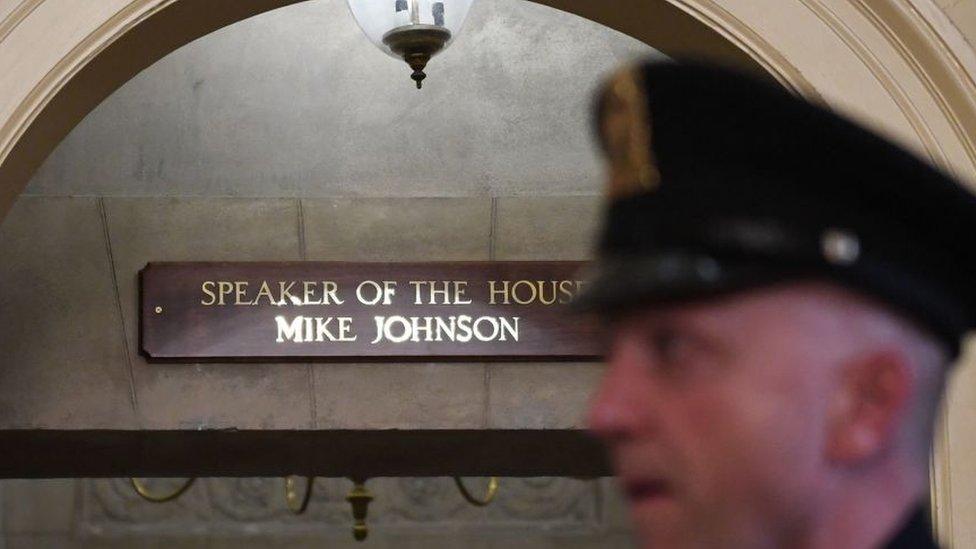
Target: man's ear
x,y
869,404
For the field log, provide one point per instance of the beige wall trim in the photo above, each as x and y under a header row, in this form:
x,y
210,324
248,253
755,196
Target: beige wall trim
x,y
66,67
63,58
16,15
940,476
746,39
899,65
939,66
897,92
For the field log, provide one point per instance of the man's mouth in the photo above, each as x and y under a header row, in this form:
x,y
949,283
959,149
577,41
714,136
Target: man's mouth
x,y
646,490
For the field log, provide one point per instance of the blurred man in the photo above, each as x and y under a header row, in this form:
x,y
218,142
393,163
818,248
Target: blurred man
x,y
784,294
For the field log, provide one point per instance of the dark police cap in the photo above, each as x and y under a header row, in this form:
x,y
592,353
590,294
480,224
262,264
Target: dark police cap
x,y
720,181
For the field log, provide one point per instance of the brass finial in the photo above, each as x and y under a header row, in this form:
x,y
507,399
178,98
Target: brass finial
x,y
359,497
416,44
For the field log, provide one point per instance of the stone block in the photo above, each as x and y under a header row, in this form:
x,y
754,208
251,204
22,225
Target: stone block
x,y
398,229
614,511
177,540
40,541
38,506
190,396
551,395
546,228
201,229
62,362
400,396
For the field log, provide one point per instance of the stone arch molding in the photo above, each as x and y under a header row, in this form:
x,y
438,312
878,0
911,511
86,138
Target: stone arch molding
x,y
899,65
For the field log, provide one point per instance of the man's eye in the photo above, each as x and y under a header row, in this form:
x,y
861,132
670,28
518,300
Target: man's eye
x,y
670,344
683,354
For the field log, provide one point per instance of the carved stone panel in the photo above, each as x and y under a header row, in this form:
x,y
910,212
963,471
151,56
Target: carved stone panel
x,y
256,506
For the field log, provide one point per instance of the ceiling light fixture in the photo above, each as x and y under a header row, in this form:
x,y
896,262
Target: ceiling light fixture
x,y
411,30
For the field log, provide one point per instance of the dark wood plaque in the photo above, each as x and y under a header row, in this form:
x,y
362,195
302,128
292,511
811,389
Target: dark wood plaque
x,y
194,312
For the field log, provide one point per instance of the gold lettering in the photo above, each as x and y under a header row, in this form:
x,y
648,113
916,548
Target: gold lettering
x,y
460,288
322,332
286,291
210,292
329,293
494,292
435,292
362,298
440,292
565,291
417,300
542,292
389,290
533,292
507,326
289,331
308,293
240,291
345,327
264,291
224,288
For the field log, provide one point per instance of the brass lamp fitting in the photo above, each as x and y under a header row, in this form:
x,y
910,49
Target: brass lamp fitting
x,y
478,502
295,504
416,44
359,497
159,497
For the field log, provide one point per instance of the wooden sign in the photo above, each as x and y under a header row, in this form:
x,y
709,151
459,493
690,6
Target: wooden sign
x,y
308,311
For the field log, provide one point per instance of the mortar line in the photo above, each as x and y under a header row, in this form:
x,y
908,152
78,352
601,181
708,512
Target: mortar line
x,y
309,368
492,235
492,228
313,407
302,247
103,215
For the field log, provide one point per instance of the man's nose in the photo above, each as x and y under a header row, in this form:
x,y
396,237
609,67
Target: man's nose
x,y
622,400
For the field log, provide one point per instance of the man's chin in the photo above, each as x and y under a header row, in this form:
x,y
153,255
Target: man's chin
x,y
661,522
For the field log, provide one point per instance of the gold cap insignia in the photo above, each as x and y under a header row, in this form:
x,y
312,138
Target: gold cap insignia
x,y
624,125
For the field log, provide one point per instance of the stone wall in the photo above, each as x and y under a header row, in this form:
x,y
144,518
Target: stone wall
x,y
291,137
69,335
251,512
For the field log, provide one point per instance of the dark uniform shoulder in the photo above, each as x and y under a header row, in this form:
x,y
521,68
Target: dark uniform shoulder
x,y
915,533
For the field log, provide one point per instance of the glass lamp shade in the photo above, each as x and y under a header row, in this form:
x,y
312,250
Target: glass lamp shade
x,y
411,30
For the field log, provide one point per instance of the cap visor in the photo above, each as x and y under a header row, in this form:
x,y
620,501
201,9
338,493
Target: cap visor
x,y
625,283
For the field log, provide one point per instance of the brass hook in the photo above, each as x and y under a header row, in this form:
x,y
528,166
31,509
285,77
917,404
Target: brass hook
x,y
489,495
147,494
296,505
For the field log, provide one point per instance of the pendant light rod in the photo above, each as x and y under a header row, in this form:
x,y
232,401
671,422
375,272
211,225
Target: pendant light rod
x,y
415,12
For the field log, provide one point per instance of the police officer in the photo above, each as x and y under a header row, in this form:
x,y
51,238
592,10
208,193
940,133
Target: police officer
x,y
784,293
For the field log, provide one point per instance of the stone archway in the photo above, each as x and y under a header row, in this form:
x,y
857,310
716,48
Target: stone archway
x,y
897,64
